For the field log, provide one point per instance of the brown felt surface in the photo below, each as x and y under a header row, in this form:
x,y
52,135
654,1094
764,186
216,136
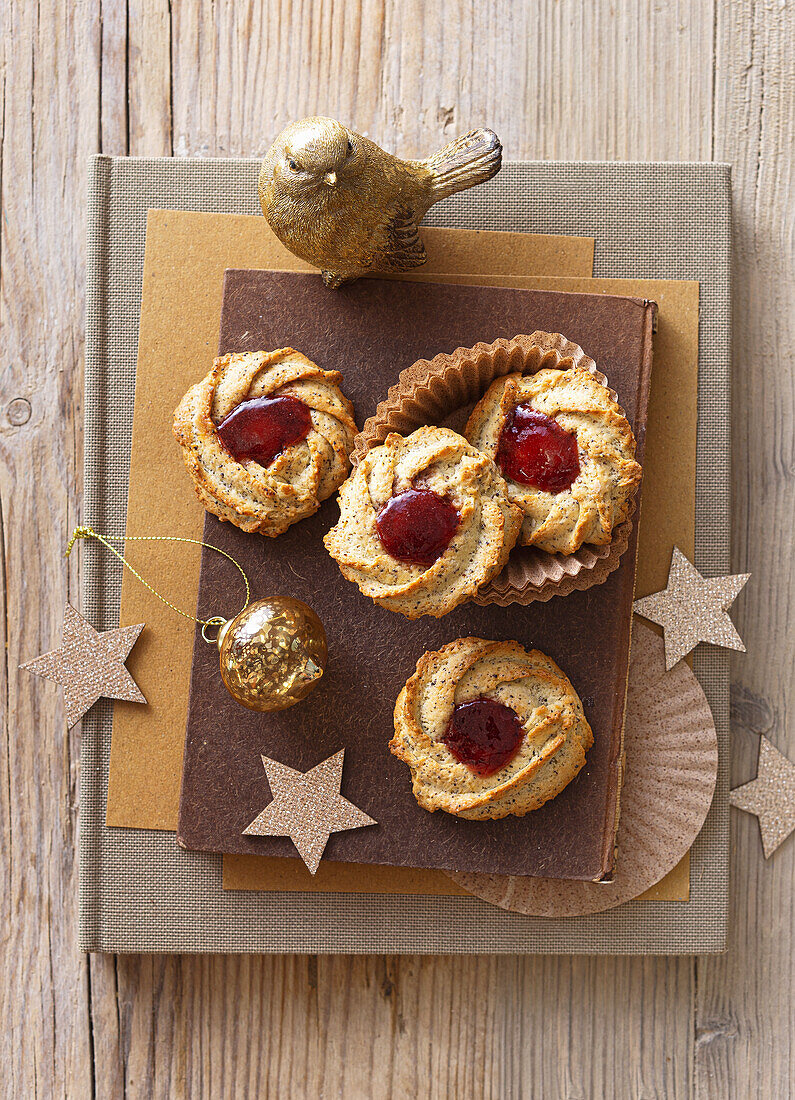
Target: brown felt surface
x,y
363,331
669,518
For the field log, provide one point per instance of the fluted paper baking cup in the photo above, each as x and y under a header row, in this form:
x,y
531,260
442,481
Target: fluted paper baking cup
x,y
671,765
440,390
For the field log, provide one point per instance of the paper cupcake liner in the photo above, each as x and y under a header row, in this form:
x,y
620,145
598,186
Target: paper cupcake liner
x,y
439,390
671,765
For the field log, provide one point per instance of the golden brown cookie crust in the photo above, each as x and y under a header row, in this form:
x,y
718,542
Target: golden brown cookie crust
x,y
292,487
444,462
600,497
549,757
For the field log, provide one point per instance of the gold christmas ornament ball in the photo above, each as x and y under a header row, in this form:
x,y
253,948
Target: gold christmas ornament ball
x,y
273,653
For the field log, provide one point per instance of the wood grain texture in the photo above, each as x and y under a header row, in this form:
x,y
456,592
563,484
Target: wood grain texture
x,y
46,141
745,1025
633,79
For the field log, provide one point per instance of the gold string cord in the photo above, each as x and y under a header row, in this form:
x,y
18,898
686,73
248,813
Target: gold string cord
x,y
216,620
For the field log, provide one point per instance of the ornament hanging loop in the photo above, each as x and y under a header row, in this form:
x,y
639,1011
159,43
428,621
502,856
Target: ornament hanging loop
x,y
216,621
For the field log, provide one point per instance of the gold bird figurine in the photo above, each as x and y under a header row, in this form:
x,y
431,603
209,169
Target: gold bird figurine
x,y
339,201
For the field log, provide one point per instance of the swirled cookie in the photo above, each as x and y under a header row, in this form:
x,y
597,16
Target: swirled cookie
x,y
566,451
489,729
424,522
265,438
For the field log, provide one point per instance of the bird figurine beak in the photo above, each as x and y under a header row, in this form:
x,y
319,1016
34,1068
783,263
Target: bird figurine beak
x,y
330,178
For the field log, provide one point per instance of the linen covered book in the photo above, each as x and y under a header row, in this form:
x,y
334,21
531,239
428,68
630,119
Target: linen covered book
x,y
138,891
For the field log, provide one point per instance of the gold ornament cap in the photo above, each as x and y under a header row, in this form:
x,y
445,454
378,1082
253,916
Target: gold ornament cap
x,y
272,654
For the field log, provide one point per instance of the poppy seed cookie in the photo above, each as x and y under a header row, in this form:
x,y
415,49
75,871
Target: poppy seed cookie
x,y
424,522
266,494
585,474
526,689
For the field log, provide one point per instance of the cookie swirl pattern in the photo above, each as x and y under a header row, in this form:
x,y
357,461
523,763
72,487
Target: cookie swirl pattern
x,y
600,498
267,499
550,754
443,462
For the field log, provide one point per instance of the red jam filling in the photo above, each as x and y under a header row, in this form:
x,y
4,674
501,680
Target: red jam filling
x,y
484,735
535,450
260,429
416,526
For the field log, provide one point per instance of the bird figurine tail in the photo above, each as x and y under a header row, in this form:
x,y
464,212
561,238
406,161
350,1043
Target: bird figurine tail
x,y
473,158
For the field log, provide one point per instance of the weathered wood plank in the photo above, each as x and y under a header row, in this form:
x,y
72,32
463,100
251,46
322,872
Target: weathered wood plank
x,y
114,117
745,1015
50,124
149,78
627,80
405,1027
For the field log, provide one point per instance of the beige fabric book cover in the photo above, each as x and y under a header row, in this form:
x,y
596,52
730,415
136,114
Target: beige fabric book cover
x,y
138,892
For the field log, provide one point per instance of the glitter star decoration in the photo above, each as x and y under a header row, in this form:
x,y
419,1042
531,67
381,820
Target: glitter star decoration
x,y
771,796
692,609
89,665
307,807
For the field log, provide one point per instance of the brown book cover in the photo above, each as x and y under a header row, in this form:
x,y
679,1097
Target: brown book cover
x,y
370,331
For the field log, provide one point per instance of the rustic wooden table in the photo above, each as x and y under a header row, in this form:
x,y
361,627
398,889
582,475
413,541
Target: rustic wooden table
x,y
632,79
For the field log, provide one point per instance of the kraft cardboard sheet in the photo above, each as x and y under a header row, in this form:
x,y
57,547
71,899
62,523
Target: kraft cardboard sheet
x,y
186,255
